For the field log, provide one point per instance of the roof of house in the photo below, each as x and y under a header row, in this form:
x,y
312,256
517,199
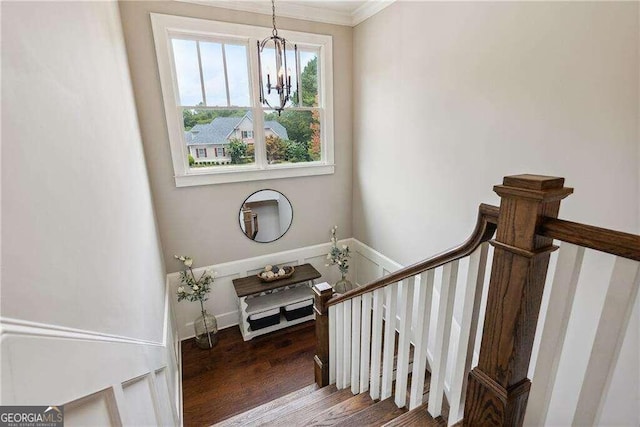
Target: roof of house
x,y
277,128
219,129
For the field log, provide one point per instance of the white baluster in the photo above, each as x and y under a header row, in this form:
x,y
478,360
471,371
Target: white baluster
x,y
421,337
340,326
468,328
391,302
404,342
563,290
443,334
376,343
365,342
355,344
332,344
612,327
347,344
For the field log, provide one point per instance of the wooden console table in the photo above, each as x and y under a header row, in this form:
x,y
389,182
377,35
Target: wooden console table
x,y
255,296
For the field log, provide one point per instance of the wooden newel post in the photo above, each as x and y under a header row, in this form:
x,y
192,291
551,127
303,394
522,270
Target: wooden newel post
x,y
498,387
323,293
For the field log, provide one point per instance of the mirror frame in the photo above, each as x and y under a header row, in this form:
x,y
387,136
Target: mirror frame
x,y
248,197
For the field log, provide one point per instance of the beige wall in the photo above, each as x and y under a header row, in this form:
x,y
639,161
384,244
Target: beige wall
x,y
186,215
79,241
83,280
451,96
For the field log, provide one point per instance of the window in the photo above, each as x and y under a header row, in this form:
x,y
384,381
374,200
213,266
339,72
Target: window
x,y
208,71
201,152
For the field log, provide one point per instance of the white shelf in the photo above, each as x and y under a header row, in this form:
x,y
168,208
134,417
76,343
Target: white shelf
x,y
278,299
255,300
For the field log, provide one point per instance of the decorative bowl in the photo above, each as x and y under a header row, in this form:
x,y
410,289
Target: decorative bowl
x,y
288,272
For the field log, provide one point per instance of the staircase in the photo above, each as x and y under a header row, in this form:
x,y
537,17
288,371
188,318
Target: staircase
x,y
328,406
383,349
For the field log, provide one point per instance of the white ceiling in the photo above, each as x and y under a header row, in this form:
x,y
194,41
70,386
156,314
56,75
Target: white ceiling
x,y
345,12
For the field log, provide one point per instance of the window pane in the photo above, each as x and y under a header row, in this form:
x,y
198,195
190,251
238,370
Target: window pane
x,y
291,70
238,74
215,138
309,78
213,74
185,55
270,75
292,137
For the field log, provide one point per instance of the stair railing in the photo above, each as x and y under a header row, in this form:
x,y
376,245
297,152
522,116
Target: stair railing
x,y
356,331
356,340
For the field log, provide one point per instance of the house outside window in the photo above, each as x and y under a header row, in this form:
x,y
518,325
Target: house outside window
x,y
209,78
201,152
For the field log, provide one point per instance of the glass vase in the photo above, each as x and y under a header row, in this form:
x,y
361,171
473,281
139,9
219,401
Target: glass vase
x,y
343,285
206,328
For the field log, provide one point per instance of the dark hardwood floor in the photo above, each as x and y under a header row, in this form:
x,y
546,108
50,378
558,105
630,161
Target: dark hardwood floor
x,y
236,376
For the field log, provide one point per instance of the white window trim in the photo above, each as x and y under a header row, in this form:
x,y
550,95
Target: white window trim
x,y
164,25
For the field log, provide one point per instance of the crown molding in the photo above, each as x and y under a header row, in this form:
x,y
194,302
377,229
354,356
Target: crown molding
x,y
301,11
367,10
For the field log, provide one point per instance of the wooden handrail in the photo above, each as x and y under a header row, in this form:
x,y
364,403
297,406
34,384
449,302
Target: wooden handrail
x,y
484,229
601,239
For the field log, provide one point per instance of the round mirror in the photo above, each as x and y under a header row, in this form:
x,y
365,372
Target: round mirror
x,y
265,216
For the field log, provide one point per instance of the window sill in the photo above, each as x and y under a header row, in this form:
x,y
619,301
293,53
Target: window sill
x,y
282,171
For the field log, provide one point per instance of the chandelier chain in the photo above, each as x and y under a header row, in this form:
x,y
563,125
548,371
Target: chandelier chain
x,y
273,17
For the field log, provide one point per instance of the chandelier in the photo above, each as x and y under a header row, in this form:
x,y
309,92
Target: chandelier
x,y
280,83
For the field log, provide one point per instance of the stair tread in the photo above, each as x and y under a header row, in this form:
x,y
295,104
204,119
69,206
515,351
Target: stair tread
x,y
299,415
374,415
341,411
279,413
416,417
257,412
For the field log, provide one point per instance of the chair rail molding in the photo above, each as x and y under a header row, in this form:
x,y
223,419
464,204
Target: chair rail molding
x,y
96,369
10,326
